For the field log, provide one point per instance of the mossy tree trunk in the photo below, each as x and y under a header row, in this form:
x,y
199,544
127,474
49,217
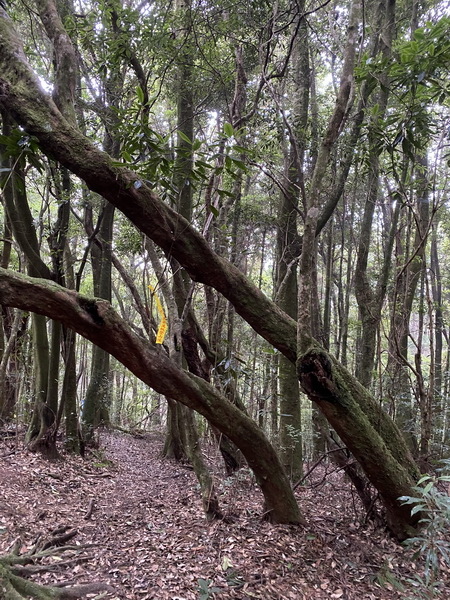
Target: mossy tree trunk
x,y
96,320
173,442
10,330
363,427
73,442
15,587
9,371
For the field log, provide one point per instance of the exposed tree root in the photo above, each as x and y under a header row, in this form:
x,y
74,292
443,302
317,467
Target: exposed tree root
x,y
14,585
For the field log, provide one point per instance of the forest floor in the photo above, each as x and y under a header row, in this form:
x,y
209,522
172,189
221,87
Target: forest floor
x,y
140,528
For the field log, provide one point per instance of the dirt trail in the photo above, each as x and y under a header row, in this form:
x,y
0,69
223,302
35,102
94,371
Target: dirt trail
x,y
140,522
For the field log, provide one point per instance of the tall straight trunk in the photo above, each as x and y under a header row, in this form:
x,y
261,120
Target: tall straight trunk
x,y
9,371
97,398
174,446
370,301
221,313
411,264
174,443
274,405
288,251
73,441
68,399
439,330
9,331
344,318
329,259
39,435
424,389
183,181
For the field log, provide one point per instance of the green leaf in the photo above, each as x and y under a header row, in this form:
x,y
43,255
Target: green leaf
x,y
428,487
409,499
228,130
140,94
225,193
240,165
424,478
417,508
184,137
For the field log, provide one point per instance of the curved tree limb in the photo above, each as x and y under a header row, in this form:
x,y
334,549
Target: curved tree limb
x,y
96,320
22,95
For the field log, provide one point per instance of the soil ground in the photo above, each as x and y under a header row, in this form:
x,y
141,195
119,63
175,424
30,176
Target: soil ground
x,y
139,527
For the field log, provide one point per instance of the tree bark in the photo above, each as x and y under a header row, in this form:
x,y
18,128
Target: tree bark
x,y
288,252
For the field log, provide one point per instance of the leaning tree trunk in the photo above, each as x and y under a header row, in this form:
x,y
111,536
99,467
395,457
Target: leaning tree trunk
x,y
96,320
340,397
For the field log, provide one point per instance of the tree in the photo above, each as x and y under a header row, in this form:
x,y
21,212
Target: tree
x,y
368,432
288,246
96,320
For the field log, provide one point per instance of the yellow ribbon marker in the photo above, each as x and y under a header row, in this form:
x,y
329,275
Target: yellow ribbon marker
x,y
162,330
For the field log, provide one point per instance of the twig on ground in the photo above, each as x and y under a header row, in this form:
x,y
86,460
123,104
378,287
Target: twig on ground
x,y
90,509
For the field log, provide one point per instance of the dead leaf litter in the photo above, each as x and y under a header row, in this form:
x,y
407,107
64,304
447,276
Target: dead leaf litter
x,y
126,517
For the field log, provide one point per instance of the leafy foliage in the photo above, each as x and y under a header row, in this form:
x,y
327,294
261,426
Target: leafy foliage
x,y
431,544
206,590
419,81
21,147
